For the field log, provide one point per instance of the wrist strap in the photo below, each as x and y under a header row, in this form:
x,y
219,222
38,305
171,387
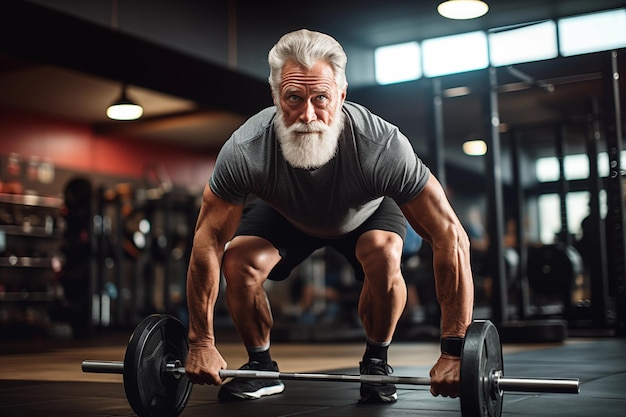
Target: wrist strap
x,y
452,346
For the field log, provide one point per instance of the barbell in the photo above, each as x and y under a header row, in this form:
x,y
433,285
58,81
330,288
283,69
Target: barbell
x,y
156,385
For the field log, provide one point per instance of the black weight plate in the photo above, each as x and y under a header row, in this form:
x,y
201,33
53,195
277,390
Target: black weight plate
x,y
552,269
482,355
151,392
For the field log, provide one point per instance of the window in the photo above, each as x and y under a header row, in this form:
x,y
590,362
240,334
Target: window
x,y
453,54
549,217
576,167
525,44
577,206
397,63
547,169
592,32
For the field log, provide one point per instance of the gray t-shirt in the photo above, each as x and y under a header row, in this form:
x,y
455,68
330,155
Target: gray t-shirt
x,y
374,159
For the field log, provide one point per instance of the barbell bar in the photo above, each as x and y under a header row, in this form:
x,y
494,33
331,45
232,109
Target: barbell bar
x,y
500,383
156,384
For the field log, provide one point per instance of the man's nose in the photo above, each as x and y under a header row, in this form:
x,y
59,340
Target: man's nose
x,y
308,113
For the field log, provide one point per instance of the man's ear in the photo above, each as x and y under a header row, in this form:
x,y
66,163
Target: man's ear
x,y
343,95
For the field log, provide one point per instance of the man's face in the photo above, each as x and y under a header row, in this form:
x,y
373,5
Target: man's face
x,y
309,117
308,95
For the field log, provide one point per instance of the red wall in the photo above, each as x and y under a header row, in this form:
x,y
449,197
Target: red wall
x,y
74,146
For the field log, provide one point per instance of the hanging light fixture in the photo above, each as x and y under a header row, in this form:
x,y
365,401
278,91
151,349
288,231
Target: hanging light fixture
x,y
124,109
475,147
462,9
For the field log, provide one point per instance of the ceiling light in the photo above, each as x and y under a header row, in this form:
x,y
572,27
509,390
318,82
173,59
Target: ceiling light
x,y
476,147
124,109
462,9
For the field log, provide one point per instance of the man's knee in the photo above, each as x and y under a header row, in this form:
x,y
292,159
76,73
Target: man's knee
x,y
248,260
379,250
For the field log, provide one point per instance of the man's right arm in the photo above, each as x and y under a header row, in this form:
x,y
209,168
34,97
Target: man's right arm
x,y
216,224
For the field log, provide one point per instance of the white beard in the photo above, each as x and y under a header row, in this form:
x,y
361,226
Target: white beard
x,y
308,146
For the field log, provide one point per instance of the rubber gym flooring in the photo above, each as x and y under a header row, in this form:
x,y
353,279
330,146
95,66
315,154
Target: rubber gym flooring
x,y
47,382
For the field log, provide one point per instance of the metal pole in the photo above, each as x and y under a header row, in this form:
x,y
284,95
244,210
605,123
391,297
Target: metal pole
x,y
520,217
499,300
561,149
437,144
373,379
561,386
615,193
595,251
103,367
565,386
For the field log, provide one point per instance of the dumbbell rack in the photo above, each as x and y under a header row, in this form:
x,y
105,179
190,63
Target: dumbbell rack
x,y
30,239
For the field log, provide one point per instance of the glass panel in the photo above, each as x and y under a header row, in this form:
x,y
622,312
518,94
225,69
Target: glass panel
x,y
547,169
530,43
576,167
397,63
457,53
577,204
592,32
549,217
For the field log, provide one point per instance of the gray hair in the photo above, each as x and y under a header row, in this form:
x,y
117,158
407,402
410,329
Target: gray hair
x,y
306,47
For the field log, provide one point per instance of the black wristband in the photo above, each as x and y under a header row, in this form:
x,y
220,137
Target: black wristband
x,y
452,346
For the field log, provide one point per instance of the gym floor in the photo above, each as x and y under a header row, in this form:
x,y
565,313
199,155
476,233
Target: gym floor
x,y
43,379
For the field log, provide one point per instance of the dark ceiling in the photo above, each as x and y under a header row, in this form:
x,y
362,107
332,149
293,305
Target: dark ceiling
x,y
199,69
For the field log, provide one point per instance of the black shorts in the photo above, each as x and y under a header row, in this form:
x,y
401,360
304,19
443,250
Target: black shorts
x,y
294,246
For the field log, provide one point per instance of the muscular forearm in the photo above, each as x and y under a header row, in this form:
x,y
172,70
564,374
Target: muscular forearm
x,y
216,224
453,279
202,291
433,218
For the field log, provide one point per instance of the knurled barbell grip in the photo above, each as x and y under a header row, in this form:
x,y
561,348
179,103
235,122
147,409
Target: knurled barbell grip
x,y
386,379
563,386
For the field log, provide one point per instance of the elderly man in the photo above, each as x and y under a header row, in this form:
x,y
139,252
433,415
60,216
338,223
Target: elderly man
x,y
324,172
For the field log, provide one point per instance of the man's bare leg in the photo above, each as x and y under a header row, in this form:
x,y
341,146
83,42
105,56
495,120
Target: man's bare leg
x,y
382,301
383,296
246,265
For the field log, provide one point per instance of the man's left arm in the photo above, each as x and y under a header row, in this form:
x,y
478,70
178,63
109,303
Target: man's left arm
x,y
433,218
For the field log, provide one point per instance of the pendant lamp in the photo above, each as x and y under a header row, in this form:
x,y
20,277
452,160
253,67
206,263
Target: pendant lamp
x,y
462,9
124,109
